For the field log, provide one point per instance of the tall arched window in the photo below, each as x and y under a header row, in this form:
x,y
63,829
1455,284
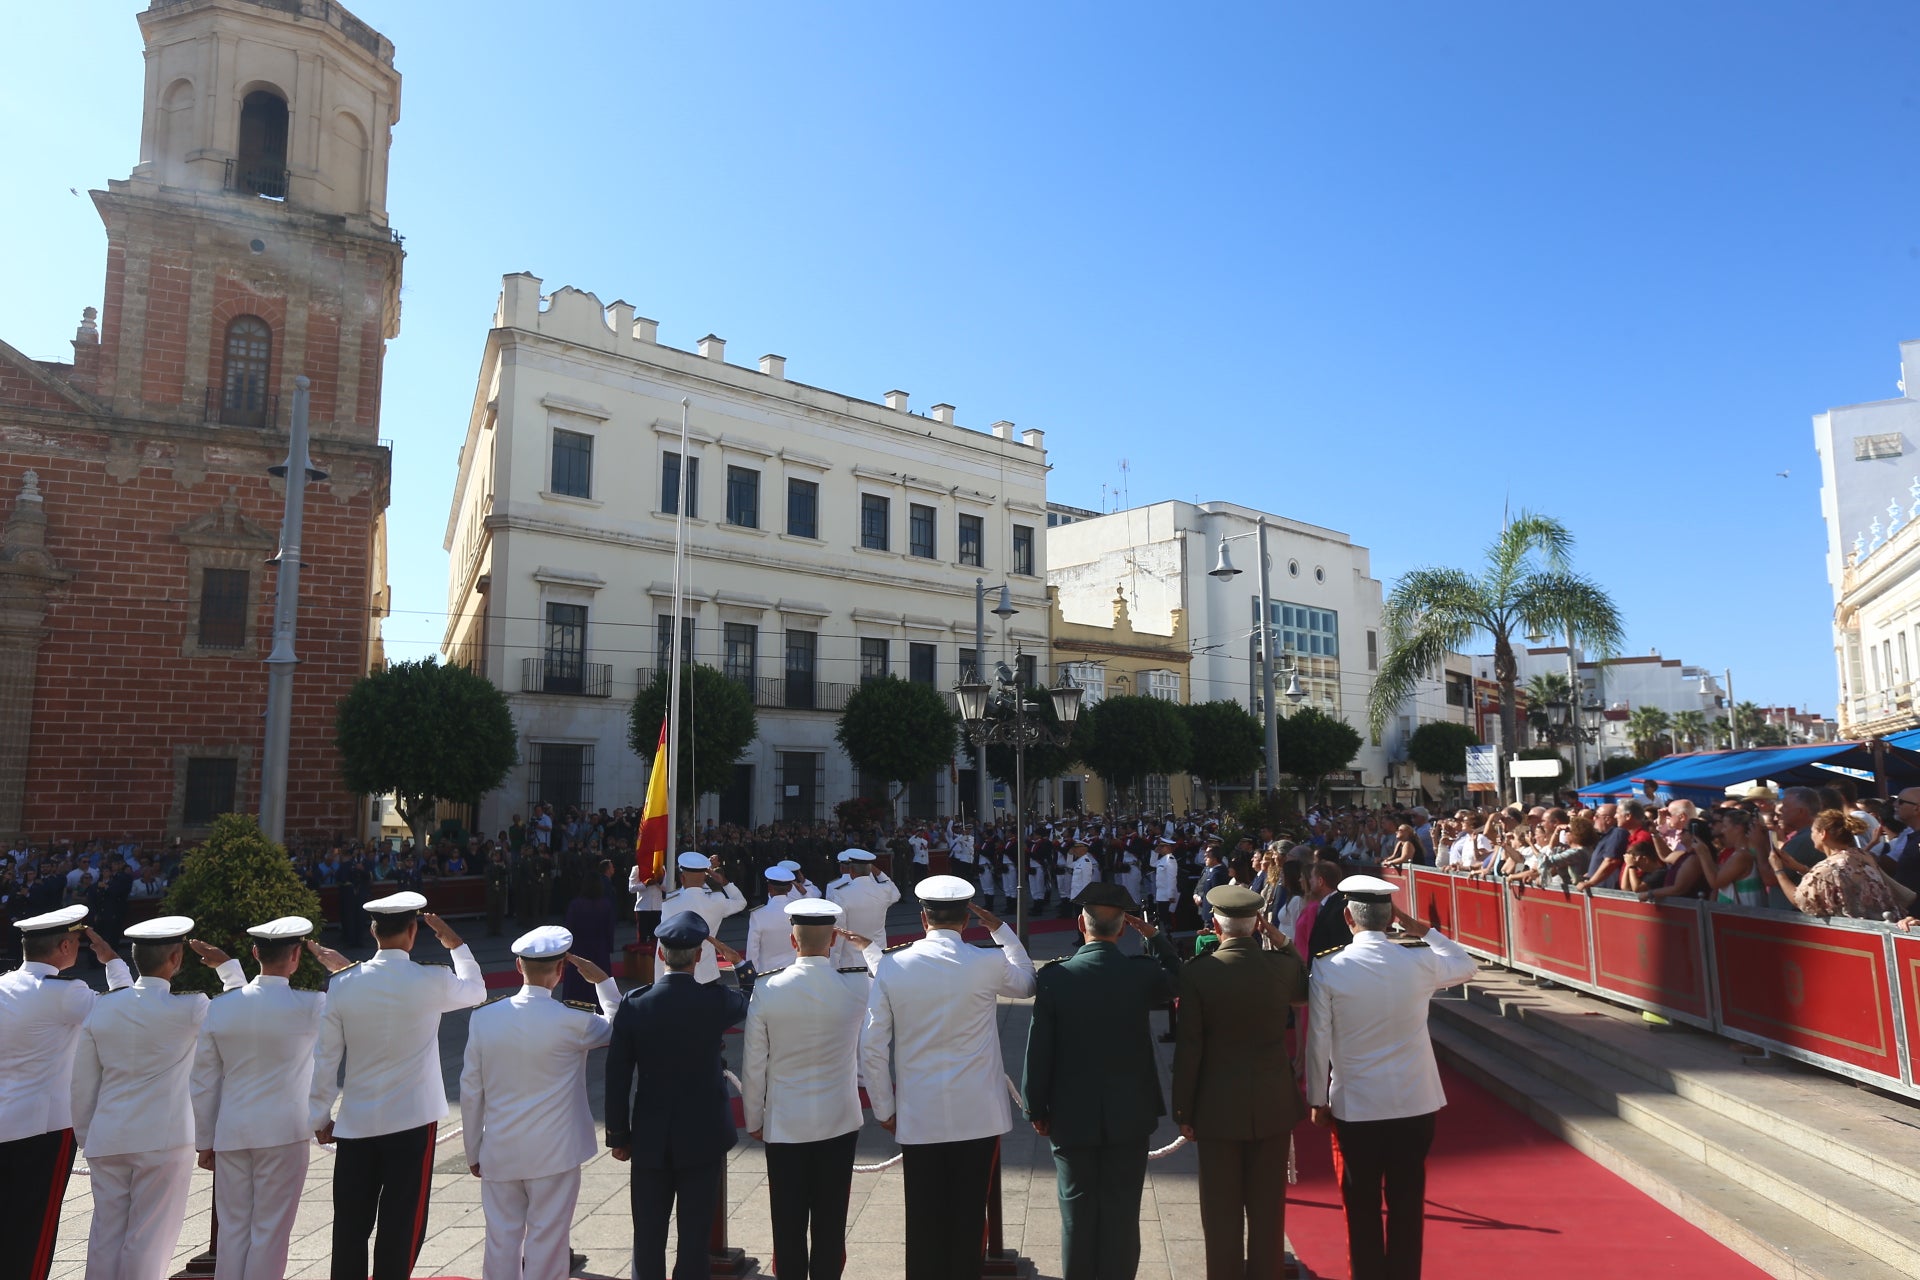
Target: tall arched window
x,y
262,164
243,398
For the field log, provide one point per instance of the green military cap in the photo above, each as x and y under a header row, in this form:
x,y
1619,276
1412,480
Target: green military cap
x,y
1234,901
1101,894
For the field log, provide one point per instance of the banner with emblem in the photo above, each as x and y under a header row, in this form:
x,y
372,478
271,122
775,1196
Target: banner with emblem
x,y
650,849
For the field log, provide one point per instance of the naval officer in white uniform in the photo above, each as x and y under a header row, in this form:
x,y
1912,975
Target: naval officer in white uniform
x,y
132,1110
251,1073
943,1095
40,1020
1371,1073
864,894
383,1022
769,946
799,1092
697,893
523,1107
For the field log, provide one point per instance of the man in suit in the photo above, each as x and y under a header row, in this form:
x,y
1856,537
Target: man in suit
x,y
132,1112
523,1107
800,1094
1902,858
250,1077
667,1105
383,1023
1233,1090
1092,1084
1214,875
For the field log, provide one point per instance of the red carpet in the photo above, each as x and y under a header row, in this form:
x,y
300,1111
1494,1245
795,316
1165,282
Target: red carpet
x,y
1506,1198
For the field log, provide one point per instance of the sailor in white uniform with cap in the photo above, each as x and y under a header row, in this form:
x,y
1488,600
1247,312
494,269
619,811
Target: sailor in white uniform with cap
x,y
383,1021
40,1020
698,894
768,944
1371,1073
250,1078
132,1110
865,894
802,887
930,1055
799,1091
523,1105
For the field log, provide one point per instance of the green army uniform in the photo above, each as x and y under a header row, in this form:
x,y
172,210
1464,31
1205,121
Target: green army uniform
x,y
1092,1079
1233,1085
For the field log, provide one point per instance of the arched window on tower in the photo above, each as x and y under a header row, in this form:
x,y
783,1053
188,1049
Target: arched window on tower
x,y
243,395
261,167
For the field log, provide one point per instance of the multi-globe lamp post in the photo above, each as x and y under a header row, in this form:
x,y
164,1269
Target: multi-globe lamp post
x,y
998,713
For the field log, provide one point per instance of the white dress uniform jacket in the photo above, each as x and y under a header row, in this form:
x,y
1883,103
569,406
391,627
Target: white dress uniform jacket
x,y
799,1073
865,900
769,937
1166,877
1367,1043
40,1020
1083,871
383,1017
132,1071
646,897
713,906
935,1004
523,1088
254,1066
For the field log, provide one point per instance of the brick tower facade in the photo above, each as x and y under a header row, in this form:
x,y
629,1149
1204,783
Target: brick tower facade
x,y
249,246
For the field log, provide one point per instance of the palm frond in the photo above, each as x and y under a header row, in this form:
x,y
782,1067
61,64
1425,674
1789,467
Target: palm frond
x,y
1430,613
1553,599
1510,556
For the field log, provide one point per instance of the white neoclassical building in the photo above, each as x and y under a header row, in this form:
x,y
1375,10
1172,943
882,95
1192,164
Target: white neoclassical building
x,y
830,539
1870,502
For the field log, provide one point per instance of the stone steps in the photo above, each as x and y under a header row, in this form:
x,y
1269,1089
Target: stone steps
x,y
1741,1152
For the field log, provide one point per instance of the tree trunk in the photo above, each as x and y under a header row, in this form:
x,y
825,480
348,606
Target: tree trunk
x,y
1507,672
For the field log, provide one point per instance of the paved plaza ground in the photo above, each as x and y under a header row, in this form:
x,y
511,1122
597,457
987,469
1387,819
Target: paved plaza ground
x,y
1171,1242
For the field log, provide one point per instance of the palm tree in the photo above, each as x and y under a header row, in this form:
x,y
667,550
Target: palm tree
x,y
1546,687
1526,587
1646,726
1747,722
1689,730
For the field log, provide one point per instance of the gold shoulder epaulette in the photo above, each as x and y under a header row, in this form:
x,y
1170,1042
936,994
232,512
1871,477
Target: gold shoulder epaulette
x,y
898,946
337,972
761,977
585,1006
437,964
857,968
497,997
1329,951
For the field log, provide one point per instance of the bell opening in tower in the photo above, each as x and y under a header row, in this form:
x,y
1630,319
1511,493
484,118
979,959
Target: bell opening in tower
x,y
261,167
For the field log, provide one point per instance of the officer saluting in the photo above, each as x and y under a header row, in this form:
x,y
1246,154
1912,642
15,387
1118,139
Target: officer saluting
x,y
799,1092
698,895
250,1078
1370,1071
40,1020
935,1005
768,946
523,1105
131,1106
383,1020
864,894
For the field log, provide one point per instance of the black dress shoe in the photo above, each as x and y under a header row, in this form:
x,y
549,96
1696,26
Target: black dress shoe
x,y
577,1259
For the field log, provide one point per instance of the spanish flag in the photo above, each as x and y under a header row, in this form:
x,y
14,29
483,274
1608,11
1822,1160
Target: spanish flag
x,y
650,850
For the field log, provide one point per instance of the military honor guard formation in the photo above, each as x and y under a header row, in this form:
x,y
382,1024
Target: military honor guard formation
x,y
148,1082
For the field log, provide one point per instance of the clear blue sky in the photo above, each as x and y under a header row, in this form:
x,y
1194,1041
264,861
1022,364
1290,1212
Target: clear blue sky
x,y
1378,267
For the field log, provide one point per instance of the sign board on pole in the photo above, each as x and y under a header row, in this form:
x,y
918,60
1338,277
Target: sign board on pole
x,y
1483,768
1535,768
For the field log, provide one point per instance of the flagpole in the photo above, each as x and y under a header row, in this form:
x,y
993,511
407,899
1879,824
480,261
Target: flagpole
x,y
673,659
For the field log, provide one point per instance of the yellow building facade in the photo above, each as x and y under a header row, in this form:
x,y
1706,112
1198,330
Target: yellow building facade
x,y
1114,661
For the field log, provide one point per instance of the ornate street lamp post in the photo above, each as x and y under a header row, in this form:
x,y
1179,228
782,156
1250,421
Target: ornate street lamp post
x,y
998,713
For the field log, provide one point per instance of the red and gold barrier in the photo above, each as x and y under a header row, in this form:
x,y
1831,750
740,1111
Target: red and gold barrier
x,y
1818,989
1549,933
1651,955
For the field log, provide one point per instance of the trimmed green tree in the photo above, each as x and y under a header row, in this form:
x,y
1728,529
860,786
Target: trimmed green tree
x,y
423,733
1441,747
1125,739
236,880
897,730
717,724
1312,745
1225,742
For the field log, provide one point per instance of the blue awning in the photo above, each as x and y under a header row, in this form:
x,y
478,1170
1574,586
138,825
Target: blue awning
x,y
1706,775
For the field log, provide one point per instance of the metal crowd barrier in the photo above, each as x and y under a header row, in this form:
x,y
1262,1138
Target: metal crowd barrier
x,y
1841,994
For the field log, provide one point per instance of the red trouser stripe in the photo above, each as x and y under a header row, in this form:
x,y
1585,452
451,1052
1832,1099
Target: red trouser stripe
x,y
426,1186
56,1193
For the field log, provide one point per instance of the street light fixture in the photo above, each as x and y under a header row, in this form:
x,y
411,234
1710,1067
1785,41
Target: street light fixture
x,y
999,713
1223,569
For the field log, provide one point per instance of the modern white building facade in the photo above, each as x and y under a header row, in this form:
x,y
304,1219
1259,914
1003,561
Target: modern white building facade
x,y
830,539
1326,605
1870,502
